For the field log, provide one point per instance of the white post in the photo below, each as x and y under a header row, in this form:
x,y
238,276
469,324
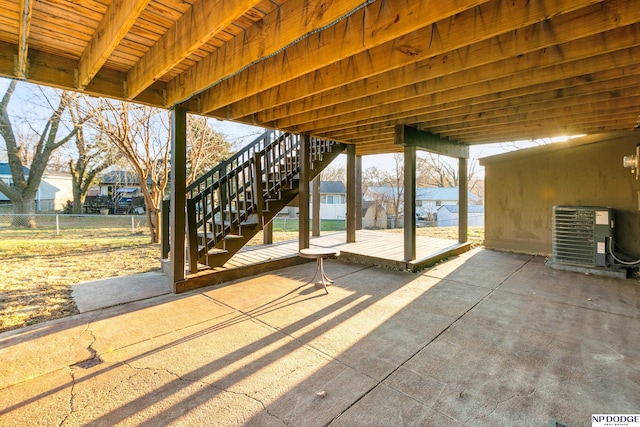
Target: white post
x,y
57,226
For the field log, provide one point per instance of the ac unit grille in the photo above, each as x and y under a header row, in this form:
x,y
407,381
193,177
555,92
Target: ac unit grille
x,y
579,233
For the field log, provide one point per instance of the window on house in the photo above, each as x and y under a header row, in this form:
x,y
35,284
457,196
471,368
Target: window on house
x,y
332,199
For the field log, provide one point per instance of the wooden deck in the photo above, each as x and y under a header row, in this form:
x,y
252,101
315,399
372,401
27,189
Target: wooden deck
x,y
387,249
379,248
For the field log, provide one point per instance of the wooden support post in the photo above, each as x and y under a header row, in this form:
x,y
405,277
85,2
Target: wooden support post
x,y
409,203
164,229
267,233
303,193
351,193
463,208
358,207
315,216
178,193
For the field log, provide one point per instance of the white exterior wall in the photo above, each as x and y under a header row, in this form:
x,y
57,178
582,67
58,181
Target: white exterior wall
x,y
54,191
448,219
330,211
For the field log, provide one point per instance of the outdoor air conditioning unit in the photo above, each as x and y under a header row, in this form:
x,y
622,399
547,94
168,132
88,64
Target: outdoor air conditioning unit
x,y
582,238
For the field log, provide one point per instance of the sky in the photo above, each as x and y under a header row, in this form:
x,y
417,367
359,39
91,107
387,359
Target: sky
x,y
28,100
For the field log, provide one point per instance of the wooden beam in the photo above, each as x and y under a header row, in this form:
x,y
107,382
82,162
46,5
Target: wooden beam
x,y
26,10
595,123
197,26
586,106
410,137
377,24
533,68
510,102
431,46
561,95
461,86
116,23
53,70
286,24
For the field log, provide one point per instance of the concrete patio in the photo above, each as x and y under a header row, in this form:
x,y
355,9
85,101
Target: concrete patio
x,y
485,339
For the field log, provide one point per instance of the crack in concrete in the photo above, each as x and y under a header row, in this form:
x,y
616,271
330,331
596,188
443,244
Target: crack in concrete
x,y
94,358
252,397
495,408
85,364
71,398
221,389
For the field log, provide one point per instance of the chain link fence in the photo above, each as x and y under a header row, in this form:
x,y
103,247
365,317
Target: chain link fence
x,y
17,225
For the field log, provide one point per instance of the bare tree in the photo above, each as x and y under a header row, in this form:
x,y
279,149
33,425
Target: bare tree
x,y
205,147
94,153
333,173
141,135
393,180
434,171
22,191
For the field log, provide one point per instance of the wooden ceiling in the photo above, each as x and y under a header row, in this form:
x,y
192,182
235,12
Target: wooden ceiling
x,y
469,71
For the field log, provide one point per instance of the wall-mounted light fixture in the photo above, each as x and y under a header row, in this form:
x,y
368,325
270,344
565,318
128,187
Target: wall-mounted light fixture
x,y
632,161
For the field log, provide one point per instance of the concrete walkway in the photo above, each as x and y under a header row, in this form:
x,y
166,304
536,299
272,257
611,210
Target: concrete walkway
x,y
486,339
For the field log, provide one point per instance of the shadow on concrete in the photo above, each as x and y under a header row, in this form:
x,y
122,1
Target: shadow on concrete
x,y
485,339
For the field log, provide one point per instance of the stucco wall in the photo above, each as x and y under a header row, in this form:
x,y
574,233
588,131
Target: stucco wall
x,y
522,188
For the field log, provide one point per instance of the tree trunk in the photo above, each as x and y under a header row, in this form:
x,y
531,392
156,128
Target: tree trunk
x,y
24,213
152,221
78,200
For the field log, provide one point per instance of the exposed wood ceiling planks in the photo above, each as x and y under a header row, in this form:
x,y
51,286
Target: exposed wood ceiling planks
x,y
469,71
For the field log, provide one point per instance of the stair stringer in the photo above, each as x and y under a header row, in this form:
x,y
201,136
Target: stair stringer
x,y
289,189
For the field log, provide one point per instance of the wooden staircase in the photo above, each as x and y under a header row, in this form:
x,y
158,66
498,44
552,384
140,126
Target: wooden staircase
x,y
236,199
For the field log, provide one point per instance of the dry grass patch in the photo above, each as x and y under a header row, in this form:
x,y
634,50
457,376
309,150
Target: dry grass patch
x,y
38,269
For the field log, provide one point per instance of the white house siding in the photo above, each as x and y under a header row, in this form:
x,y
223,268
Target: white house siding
x,y
330,211
448,216
54,192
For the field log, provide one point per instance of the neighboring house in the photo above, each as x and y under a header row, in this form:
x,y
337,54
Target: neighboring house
x,y
333,202
116,184
55,189
374,216
447,215
428,200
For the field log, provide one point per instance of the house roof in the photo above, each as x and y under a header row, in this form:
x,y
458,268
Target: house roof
x,y
463,72
456,208
5,170
121,177
332,187
441,193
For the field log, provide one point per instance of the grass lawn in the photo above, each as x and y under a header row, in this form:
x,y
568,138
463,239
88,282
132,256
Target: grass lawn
x,y
39,268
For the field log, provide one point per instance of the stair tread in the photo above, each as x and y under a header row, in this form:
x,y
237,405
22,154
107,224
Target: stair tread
x,y
233,236
213,251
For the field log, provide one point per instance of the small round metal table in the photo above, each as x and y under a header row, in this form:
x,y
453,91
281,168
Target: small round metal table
x,y
319,254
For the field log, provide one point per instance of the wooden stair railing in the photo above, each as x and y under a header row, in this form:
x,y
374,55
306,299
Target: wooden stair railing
x,y
231,203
